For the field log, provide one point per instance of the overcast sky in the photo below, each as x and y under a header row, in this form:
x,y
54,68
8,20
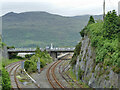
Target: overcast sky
x,y
61,7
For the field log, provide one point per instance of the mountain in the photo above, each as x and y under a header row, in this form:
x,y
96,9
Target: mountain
x,y
31,29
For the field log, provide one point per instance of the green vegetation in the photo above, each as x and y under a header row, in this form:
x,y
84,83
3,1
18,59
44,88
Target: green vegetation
x,y
28,56
6,62
80,73
91,21
73,76
1,43
10,47
6,83
76,53
14,56
31,29
105,39
31,65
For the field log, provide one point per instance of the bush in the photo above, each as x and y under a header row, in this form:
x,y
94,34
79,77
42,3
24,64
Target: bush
x,y
42,63
76,53
30,66
82,32
105,38
28,56
91,20
6,83
111,25
80,73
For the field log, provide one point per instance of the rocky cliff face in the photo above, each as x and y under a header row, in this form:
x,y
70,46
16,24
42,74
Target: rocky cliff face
x,y
3,52
95,75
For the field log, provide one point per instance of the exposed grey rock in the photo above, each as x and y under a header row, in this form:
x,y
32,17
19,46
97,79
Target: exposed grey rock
x,y
94,75
4,52
77,67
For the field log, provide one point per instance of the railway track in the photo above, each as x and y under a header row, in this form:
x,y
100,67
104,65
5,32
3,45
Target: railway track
x,y
62,71
12,64
12,72
67,77
12,69
52,77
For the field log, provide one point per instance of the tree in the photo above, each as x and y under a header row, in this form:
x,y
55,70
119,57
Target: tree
x,y
6,84
37,51
111,25
91,20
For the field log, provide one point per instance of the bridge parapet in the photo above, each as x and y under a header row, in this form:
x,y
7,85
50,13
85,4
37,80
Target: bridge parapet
x,y
53,52
33,49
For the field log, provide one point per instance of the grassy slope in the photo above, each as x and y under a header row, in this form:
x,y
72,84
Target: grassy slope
x,y
40,28
9,61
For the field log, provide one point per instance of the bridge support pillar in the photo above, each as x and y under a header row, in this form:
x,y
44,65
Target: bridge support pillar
x,y
11,55
53,55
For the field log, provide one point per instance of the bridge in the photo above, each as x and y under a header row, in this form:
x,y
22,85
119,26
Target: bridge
x,y
53,52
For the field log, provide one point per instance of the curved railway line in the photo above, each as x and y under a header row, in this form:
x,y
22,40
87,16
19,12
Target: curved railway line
x,y
12,72
68,77
55,83
52,77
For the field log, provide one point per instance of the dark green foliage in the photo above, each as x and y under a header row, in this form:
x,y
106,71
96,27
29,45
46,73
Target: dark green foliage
x,y
31,29
107,77
107,72
31,65
10,47
93,70
80,73
28,56
38,51
77,49
111,25
91,20
116,69
82,32
6,83
14,56
105,38
76,53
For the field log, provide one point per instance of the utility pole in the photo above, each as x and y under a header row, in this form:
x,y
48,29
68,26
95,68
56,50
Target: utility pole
x,y
38,65
103,10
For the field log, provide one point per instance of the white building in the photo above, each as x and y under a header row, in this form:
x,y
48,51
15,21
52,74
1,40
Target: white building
x,y
51,46
119,7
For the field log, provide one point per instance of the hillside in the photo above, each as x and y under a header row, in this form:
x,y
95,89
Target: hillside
x,y
97,57
31,29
